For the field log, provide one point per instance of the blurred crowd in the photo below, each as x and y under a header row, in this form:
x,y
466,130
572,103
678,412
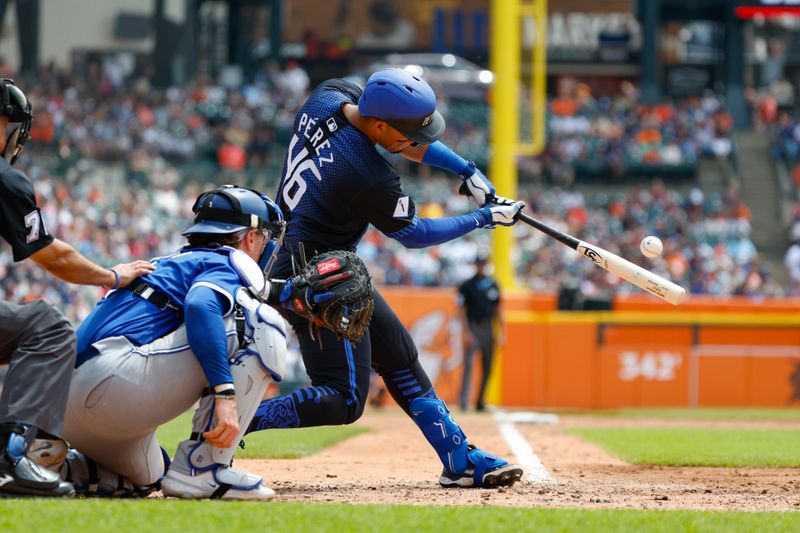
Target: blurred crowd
x,y
117,165
776,114
618,135
105,112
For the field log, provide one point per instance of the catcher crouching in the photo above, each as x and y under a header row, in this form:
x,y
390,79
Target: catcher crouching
x,y
197,329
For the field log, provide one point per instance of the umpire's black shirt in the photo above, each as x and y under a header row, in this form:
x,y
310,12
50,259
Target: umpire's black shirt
x,y
21,222
480,296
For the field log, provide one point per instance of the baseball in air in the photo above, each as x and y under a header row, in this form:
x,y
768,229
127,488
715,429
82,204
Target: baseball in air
x,y
651,247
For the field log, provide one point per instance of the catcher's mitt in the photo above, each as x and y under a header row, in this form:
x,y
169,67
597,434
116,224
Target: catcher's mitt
x,y
335,291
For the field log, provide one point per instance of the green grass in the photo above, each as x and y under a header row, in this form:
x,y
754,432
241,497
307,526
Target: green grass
x,y
699,447
167,516
702,413
271,444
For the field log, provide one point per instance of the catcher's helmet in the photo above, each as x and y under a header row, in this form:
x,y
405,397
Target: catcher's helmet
x,y
230,208
405,101
15,106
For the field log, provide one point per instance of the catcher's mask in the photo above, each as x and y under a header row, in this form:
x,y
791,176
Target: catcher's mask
x,y
15,106
231,208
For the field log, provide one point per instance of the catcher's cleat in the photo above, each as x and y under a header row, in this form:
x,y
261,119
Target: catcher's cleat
x,y
486,471
219,482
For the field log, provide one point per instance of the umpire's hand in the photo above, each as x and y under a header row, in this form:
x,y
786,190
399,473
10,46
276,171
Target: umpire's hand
x,y
224,434
130,271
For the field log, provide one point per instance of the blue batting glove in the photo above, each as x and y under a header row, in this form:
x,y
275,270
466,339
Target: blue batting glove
x,y
477,185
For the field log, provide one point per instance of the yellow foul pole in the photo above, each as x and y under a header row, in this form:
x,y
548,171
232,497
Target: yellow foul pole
x,y
504,137
504,59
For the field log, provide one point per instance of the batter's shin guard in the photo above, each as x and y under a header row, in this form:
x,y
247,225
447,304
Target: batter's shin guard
x,y
431,415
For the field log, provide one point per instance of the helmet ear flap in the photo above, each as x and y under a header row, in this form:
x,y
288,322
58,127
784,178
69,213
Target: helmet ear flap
x,y
12,149
15,105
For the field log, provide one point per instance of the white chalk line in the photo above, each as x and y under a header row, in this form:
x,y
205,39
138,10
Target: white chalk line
x,y
535,471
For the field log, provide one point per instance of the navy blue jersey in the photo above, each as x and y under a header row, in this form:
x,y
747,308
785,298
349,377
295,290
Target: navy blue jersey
x,y
334,181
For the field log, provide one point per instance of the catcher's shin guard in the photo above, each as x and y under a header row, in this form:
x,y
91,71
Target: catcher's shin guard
x,y
200,470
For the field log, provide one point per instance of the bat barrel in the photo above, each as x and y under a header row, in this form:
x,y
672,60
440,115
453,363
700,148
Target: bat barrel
x,y
630,272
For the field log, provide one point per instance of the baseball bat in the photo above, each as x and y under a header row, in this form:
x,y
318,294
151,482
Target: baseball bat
x,y
641,277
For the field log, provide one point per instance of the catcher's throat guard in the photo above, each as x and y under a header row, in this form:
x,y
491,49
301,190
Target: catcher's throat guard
x,y
250,272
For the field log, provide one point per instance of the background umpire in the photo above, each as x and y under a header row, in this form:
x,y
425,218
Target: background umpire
x,y
36,341
479,297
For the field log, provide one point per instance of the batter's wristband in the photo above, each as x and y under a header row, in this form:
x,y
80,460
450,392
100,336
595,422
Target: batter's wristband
x,y
116,279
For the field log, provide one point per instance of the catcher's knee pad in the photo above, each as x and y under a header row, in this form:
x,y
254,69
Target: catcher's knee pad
x,y
431,415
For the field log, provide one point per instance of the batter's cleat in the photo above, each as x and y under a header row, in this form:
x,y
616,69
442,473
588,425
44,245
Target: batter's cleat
x,y
48,453
219,482
486,471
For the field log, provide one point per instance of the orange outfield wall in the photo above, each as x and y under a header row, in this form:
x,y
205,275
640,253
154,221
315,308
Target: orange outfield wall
x,y
706,352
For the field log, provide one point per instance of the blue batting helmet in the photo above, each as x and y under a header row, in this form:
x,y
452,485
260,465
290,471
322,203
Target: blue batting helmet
x,y
405,102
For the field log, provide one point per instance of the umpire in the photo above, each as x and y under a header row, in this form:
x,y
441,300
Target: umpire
x,y
479,297
36,341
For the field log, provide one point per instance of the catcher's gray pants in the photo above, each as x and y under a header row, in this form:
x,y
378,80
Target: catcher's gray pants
x,y
120,397
38,344
483,340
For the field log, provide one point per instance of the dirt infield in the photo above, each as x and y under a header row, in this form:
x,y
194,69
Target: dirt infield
x,y
393,464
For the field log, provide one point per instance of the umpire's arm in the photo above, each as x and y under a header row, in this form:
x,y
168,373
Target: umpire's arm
x,y
65,262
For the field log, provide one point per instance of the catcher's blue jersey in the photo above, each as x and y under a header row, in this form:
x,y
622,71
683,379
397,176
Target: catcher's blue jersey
x,y
122,313
334,181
